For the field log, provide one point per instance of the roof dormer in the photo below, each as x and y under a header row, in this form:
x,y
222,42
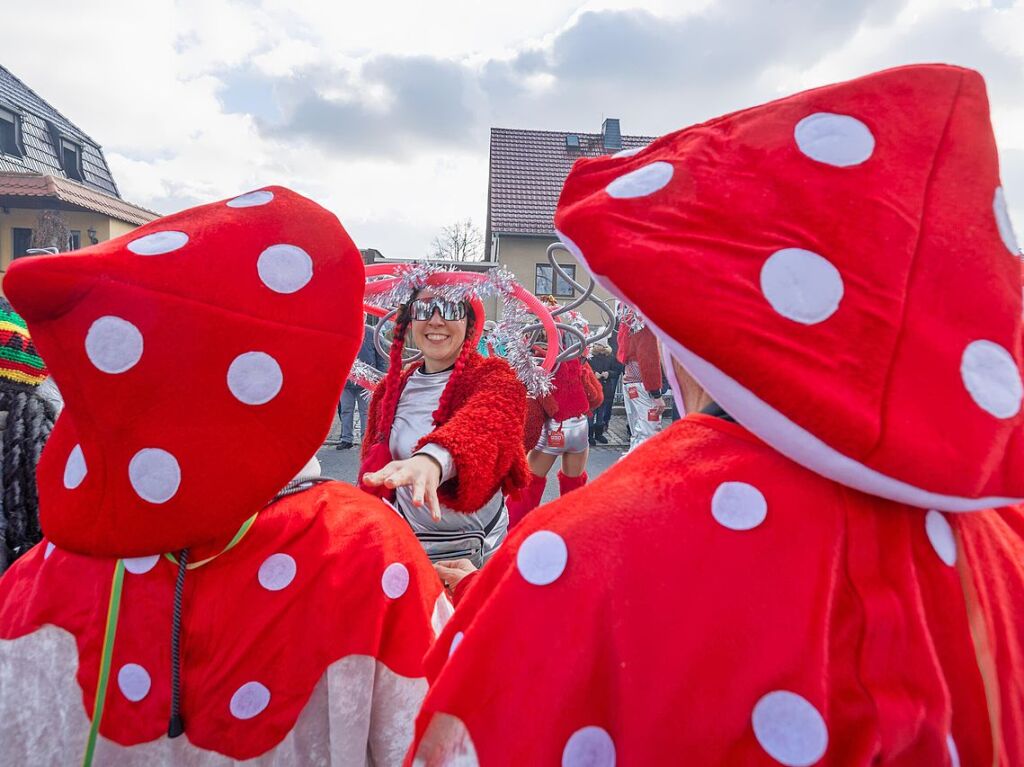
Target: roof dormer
x,y
10,132
70,154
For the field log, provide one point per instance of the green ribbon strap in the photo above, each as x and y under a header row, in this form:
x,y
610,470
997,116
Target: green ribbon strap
x,y
113,608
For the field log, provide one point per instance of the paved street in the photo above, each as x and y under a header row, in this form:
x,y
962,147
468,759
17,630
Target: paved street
x,y
343,465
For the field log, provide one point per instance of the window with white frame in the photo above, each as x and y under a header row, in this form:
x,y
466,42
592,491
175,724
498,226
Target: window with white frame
x,y
547,282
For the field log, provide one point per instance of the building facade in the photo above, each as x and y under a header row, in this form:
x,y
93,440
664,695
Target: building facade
x,y
527,171
56,189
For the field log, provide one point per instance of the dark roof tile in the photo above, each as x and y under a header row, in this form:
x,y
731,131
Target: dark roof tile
x,y
527,171
40,153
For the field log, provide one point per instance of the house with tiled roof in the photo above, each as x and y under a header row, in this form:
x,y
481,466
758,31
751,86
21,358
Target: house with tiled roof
x,y
56,189
527,171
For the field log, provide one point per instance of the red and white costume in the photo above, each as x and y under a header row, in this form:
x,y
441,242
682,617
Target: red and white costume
x,y
838,271
295,634
641,378
575,391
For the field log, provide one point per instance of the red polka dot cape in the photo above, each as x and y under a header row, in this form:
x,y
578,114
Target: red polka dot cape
x,y
838,270
313,626
707,601
201,358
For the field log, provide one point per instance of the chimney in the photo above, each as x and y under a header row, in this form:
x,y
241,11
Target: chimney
x,y
611,134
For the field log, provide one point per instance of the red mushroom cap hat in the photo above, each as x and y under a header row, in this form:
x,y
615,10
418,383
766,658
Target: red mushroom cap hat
x,y
838,270
200,357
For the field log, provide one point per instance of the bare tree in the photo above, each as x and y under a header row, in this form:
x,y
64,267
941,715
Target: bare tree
x,y
460,241
51,231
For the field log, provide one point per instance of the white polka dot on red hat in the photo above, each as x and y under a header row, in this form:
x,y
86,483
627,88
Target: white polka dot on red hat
x,y
992,378
249,700
629,152
589,746
158,243
285,268
75,468
738,506
255,378
154,474
251,199
789,728
940,535
641,182
801,285
133,681
277,571
834,139
140,565
1003,223
542,557
113,344
395,580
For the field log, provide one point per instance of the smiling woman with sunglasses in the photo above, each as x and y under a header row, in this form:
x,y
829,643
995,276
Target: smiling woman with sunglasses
x,y
445,434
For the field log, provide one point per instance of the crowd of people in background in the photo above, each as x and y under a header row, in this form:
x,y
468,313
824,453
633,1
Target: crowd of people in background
x,y
821,563
355,396
638,359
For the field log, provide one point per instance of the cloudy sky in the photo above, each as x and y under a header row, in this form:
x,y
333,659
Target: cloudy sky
x,y
381,110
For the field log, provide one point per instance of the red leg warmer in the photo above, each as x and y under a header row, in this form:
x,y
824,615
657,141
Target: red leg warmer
x,y
568,484
527,500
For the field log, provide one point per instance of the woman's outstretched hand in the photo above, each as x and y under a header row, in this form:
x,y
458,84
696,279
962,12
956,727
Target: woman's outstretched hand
x,y
419,472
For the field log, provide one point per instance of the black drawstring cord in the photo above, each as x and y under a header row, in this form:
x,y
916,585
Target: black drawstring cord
x,y
176,726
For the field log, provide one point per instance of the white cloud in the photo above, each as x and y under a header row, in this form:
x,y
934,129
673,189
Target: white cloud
x,y
287,56
185,96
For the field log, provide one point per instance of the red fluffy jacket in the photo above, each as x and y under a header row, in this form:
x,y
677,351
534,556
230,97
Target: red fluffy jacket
x,y
641,347
483,431
575,391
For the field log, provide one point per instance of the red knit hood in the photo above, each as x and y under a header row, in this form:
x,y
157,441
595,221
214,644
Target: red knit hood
x,y
838,270
200,358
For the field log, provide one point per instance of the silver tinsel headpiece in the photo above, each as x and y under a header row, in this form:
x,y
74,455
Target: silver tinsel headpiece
x,y
509,333
415,276
500,283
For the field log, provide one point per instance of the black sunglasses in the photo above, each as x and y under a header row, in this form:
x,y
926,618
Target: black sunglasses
x,y
423,309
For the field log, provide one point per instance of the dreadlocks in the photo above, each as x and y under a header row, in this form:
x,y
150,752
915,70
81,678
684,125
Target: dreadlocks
x,y
27,421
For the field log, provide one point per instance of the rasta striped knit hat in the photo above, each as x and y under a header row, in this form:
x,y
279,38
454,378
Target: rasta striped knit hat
x,y
19,360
